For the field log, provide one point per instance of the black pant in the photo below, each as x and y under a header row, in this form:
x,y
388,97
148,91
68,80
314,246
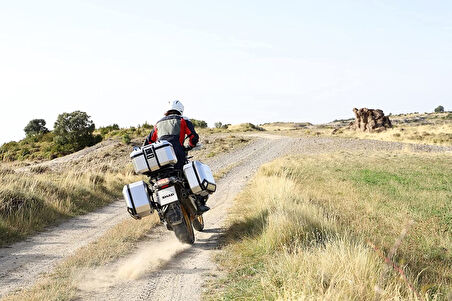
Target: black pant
x,y
179,150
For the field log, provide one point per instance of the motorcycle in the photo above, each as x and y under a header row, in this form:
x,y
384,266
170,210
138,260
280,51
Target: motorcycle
x,y
175,194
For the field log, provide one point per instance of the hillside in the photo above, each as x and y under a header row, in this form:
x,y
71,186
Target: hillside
x,y
37,193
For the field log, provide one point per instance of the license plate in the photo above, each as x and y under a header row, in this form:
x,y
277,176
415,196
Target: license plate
x,y
167,195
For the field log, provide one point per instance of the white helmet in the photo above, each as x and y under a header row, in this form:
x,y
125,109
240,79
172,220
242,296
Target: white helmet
x,y
176,105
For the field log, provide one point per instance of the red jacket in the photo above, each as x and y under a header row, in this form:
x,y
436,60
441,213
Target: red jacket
x,y
171,128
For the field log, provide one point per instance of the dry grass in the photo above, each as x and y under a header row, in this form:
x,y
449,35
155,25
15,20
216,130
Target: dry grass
x,y
214,144
438,134
30,201
285,126
428,128
302,230
62,283
234,128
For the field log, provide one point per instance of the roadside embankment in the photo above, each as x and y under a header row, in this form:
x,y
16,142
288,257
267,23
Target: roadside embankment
x,y
30,201
322,227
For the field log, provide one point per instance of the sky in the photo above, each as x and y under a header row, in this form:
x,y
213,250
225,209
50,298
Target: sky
x,y
230,61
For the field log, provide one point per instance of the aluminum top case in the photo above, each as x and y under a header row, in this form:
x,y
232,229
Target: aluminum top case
x,y
138,199
153,157
200,178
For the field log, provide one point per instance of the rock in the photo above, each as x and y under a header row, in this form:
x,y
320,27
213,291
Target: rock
x,y
370,120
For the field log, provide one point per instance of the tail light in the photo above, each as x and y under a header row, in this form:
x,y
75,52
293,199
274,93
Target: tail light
x,y
163,183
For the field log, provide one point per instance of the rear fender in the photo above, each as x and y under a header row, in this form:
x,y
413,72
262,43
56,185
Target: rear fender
x,y
173,214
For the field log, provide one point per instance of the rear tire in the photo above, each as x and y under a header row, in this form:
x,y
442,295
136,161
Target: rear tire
x,y
198,223
184,231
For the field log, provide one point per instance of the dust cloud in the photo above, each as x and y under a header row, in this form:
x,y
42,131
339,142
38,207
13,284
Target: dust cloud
x,y
146,259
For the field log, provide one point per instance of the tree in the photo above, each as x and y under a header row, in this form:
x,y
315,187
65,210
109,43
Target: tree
x,y
36,127
218,124
74,131
439,109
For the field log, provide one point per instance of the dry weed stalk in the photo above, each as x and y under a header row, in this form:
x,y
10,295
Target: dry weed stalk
x,y
392,264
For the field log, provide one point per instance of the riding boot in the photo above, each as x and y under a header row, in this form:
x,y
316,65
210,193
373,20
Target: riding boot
x,y
169,227
201,205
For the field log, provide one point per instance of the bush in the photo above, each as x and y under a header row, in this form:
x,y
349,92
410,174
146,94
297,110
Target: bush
x,y
218,124
147,126
251,127
35,127
8,151
439,109
74,131
126,138
199,123
107,129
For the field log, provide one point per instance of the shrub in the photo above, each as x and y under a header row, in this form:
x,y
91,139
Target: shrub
x,y
35,127
218,125
25,151
199,123
47,137
147,126
107,129
251,127
439,109
126,138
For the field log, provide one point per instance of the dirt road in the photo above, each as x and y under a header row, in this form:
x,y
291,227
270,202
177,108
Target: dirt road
x,y
161,268
23,262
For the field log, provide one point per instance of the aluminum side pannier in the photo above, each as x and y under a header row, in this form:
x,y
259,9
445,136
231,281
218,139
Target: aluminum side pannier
x,y
200,178
138,199
153,157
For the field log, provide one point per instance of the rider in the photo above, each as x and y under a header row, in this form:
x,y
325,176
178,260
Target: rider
x,y
174,128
